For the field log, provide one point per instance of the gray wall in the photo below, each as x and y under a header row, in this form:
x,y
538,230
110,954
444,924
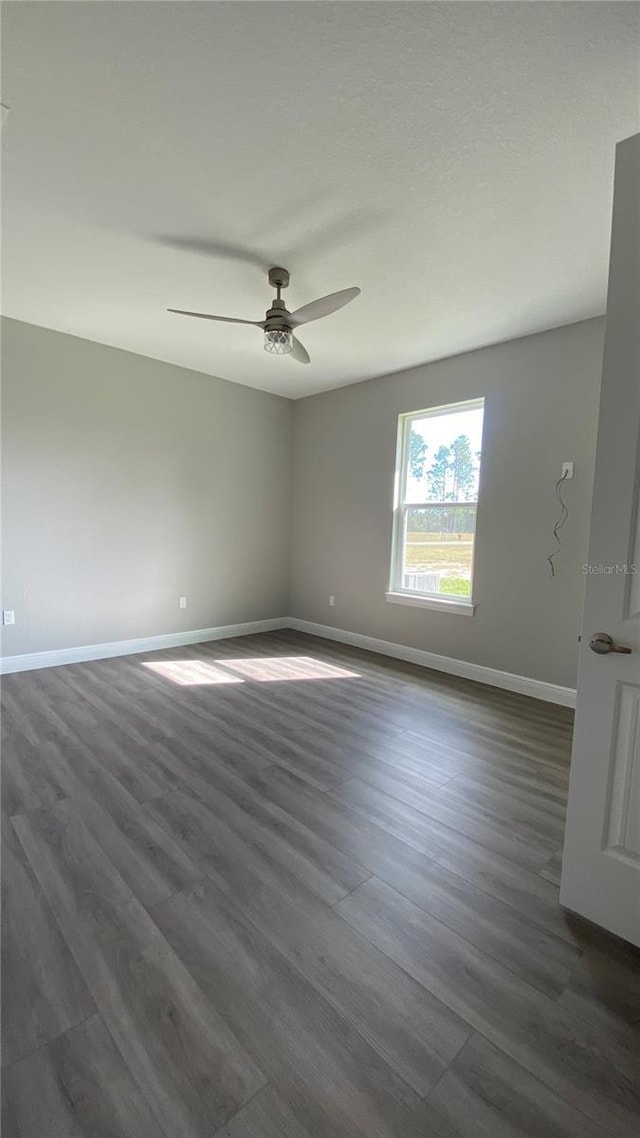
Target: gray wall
x,y
128,483
541,408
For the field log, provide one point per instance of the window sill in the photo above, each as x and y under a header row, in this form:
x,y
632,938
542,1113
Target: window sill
x,y
440,604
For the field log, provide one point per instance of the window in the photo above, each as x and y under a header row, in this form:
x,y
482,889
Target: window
x,y
437,477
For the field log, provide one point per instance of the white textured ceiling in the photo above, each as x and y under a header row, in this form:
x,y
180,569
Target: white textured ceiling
x,y
454,160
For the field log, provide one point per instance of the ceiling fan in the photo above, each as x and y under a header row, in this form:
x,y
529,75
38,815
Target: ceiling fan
x,y
279,324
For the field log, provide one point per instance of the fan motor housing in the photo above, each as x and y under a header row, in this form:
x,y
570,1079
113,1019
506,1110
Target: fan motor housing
x,y
276,316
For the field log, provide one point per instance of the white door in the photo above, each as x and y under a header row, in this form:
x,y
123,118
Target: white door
x,y
601,866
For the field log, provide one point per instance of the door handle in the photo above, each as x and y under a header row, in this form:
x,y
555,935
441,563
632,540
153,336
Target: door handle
x,y
602,643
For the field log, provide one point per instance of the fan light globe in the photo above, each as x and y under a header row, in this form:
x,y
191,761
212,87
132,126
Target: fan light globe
x,y
279,341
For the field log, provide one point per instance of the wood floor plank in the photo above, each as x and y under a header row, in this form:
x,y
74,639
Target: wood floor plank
x,y
394,755
32,779
201,741
185,1059
606,992
570,1056
414,1033
151,863
543,959
318,1062
491,721
266,1116
18,791
485,1094
43,991
552,869
551,763
48,718
12,713
111,741
76,1087
461,801
424,782
524,814
487,732
528,788
315,862
509,769
133,765
416,811
359,835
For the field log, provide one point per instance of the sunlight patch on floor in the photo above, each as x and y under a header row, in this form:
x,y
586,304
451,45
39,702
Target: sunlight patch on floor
x,y
265,669
260,669
187,673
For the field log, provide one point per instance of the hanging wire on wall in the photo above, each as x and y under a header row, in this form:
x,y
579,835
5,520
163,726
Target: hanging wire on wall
x,y
564,514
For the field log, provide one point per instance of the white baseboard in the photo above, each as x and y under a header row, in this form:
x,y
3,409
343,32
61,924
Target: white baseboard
x,y
538,689
32,660
524,685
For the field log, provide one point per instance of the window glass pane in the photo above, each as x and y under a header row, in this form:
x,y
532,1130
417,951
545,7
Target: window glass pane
x,y
438,550
443,457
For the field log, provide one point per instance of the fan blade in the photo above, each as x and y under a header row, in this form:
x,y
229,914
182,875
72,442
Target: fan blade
x,y
224,319
299,352
323,307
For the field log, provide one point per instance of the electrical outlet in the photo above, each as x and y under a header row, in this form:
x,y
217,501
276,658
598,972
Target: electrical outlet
x,y
183,602
567,470
332,601
8,616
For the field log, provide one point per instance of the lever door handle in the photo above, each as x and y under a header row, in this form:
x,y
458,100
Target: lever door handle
x,y
602,643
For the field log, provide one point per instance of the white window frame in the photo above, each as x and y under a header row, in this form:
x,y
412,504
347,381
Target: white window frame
x,y
396,593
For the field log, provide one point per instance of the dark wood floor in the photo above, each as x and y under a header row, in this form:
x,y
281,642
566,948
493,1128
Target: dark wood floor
x,y
277,888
